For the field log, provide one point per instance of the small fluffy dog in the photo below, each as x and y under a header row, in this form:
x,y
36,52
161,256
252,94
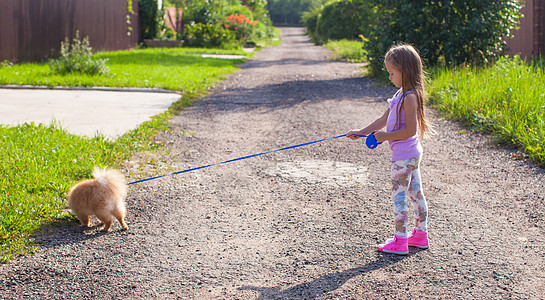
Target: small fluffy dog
x,y
103,197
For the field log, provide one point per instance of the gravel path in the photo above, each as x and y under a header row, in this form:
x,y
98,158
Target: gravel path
x,y
301,223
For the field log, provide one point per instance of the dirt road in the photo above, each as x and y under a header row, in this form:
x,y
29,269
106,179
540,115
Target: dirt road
x,y
300,223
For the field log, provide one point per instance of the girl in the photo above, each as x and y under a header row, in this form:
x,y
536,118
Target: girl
x,y
405,124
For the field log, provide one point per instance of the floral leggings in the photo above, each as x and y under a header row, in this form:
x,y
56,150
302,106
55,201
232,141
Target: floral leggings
x,y
406,182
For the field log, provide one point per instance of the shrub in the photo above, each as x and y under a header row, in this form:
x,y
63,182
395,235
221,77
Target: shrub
x,y
78,58
310,19
259,11
461,31
345,19
241,26
248,23
150,16
209,36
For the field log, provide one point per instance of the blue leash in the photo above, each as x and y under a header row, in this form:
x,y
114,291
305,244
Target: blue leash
x,y
370,141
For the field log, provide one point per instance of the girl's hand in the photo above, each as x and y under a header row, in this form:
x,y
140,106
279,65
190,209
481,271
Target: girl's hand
x,y
353,135
380,136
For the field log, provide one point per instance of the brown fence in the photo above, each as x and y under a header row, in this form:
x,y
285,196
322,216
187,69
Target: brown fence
x,y
32,30
528,40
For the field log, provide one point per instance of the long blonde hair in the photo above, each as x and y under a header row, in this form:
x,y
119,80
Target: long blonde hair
x,y
406,60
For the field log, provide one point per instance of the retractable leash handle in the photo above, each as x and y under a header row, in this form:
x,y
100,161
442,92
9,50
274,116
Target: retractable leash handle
x,y
370,141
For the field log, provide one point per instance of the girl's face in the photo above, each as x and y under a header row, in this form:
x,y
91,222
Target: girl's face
x,y
394,75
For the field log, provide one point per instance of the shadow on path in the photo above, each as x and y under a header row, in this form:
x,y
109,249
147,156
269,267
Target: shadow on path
x,y
327,283
279,96
70,231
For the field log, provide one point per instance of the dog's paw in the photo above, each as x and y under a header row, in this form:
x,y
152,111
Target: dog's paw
x,y
105,229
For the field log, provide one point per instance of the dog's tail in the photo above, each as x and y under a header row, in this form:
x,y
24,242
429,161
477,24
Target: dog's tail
x,y
112,179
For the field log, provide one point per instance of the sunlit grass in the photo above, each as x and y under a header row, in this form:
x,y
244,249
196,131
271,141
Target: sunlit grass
x,y
40,162
506,100
349,50
178,69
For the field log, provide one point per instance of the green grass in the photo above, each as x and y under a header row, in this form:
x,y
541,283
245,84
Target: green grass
x,y
38,165
506,100
40,162
177,69
349,50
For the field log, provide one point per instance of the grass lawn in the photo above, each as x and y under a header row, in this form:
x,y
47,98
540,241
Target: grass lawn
x,y
178,69
349,50
40,162
506,100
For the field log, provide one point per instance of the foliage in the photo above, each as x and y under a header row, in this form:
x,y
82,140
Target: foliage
x,y
209,36
291,11
206,11
349,50
462,31
206,21
259,11
77,57
340,19
310,19
506,99
150,18
6,64
241,26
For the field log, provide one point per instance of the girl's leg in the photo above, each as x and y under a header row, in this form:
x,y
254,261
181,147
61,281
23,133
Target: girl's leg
x,y
419,201
402,174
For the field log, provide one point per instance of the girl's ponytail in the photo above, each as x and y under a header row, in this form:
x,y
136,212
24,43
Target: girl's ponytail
x,y
406,59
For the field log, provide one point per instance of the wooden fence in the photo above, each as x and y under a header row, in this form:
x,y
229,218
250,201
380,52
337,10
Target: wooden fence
x,y
529,39
32,30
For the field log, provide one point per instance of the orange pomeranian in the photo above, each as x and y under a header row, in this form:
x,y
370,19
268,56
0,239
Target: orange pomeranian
x,y
103,197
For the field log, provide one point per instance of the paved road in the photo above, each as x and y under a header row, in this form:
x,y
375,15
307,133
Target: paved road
x,y
83,112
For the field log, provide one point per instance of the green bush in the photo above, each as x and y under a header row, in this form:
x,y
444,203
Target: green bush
x,y
206,11
217,24
310,19
259,11
462,31
209,36
342,19
253,26
261,32
78,58
150,16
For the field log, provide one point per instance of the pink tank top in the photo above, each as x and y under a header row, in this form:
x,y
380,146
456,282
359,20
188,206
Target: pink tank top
x,y
406,148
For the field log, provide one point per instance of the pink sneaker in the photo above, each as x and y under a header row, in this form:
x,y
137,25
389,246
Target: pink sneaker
x,y
418,239
397,245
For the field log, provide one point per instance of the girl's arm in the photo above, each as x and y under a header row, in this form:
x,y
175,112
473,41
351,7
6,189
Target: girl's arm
x,y
376,125
409,107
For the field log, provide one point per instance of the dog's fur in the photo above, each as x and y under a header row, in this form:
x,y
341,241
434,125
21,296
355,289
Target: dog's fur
x,y
103,197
